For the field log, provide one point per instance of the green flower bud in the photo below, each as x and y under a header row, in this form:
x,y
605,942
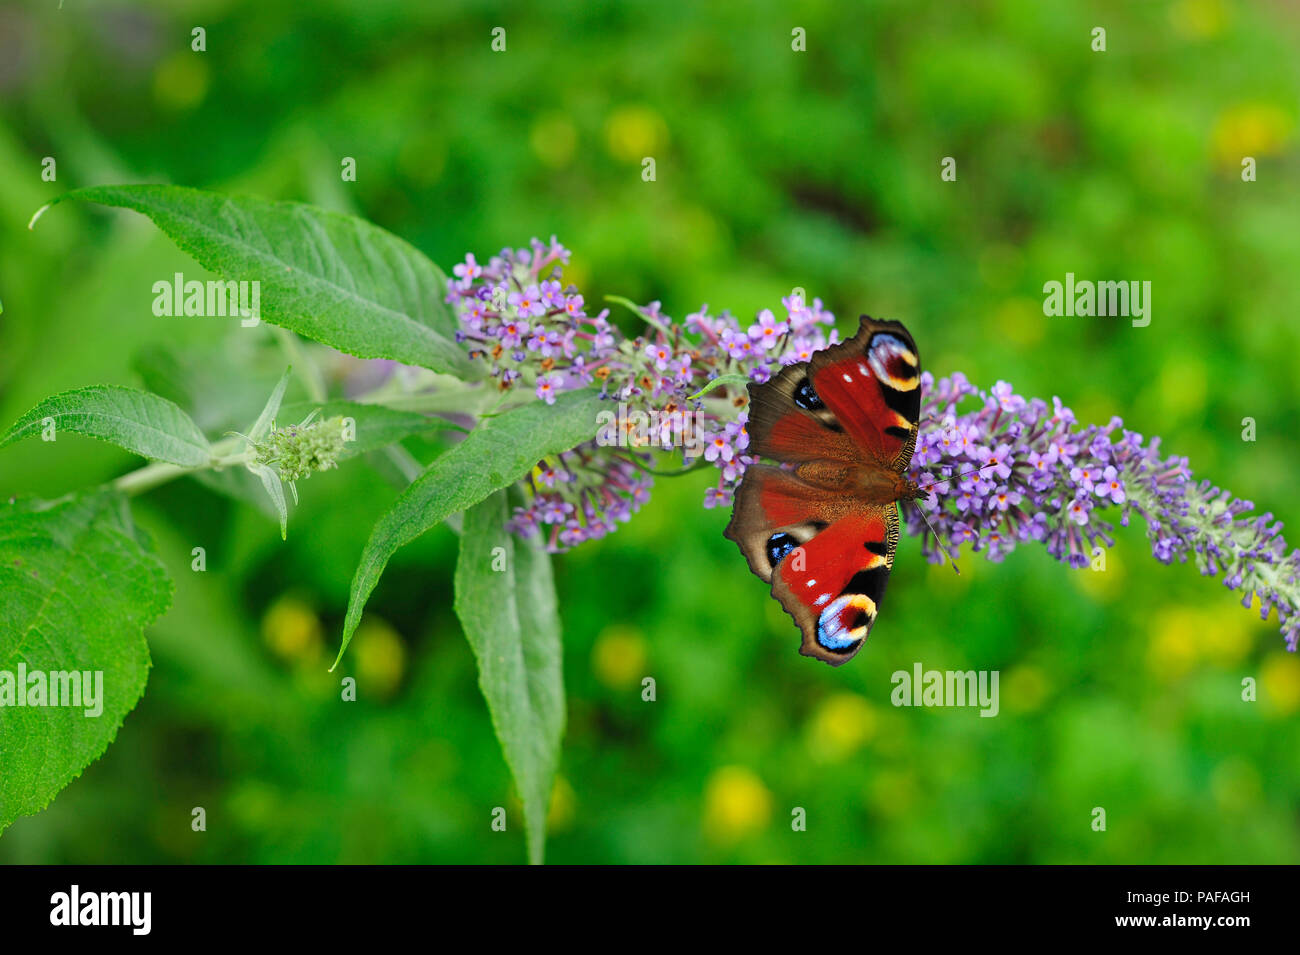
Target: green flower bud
x,y
296,452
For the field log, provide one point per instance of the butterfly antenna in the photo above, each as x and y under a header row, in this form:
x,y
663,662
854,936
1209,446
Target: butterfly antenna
x,y
938,542
953,477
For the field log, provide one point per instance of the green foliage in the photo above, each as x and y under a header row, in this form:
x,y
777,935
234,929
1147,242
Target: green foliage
x,y
333,278
78,583
495,454
505,599
146,424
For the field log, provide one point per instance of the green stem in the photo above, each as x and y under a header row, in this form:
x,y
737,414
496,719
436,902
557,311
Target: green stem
x,y
159,472
639,312
148,477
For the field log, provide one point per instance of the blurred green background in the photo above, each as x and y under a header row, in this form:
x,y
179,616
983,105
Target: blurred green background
x,y
775,169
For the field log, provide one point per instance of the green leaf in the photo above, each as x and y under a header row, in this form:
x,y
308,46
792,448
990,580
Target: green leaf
x,y
494,455
505,599
78,584
333,278
740,380
275,491
262,426
135,420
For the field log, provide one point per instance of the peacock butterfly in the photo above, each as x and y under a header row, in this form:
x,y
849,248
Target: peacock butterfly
x,y
822,527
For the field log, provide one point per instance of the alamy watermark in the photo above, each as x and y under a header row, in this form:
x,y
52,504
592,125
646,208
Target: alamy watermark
x,y
78,689
132,910
212,299
1085,298
923,687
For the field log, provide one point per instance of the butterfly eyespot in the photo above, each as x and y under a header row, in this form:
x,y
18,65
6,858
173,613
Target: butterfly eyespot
x,y
893,362
779,547
843,625
805,397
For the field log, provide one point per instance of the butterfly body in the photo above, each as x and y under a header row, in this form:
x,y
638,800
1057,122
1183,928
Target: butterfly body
x,y
822,525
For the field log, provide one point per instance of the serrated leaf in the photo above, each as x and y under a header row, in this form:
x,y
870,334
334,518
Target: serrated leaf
x,y
330,277
146,424
510,619
495,454
78,584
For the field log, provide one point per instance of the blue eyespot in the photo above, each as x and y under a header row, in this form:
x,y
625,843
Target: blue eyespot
x,y
833,637
844,622
778,546
806,397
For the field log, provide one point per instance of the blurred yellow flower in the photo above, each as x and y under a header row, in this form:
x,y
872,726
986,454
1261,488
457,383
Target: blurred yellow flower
x,y
380,657
554,139
1102,585
181,80
736,804
840,726
1020,320
1172,651
1250,129
619,657
1199,18
1183,385
1024,688
1279,679
292,630
1235,784
1183,636
634,132
1226,637
893,791
564,805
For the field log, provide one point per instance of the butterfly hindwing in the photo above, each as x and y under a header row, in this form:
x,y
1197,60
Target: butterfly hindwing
x,y
833,584
776,511
827,563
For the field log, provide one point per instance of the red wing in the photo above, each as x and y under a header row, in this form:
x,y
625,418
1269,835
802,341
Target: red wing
x,y
827,564
773,504
871,383
859,400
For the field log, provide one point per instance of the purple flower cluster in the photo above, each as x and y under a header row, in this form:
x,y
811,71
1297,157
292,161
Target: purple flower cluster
x,y
534,332
1009,471
515,315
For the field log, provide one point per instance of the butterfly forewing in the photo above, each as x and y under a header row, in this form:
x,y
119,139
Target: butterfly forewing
x,y
872,385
